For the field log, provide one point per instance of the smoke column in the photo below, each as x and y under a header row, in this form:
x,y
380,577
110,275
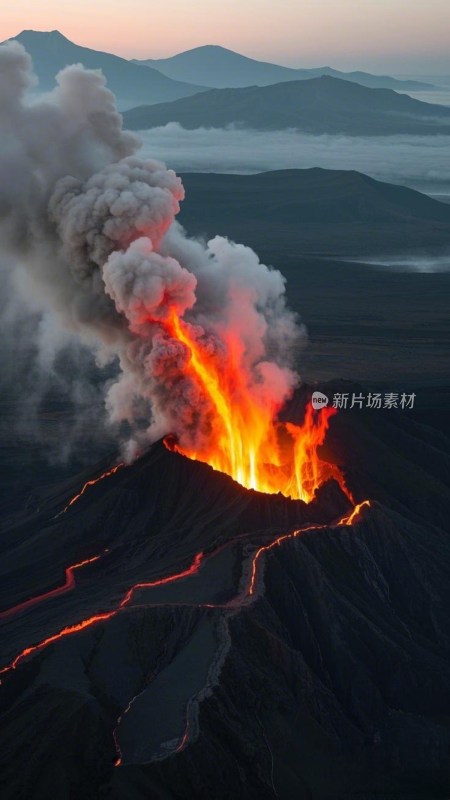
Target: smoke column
x,y
94,226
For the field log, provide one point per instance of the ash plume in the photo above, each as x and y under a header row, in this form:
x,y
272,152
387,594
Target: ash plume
x,y
94,227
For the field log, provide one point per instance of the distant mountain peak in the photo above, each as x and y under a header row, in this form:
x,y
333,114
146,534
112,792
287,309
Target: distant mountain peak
x,y
221,68
132,84
55,34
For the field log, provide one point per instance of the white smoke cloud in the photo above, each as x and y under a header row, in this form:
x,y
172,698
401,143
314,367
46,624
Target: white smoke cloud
x,y
93,228
145,286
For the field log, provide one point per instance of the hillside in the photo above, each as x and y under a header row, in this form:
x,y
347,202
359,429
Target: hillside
x,y
131,84
156,673
221,68
320,105
310,195
313,211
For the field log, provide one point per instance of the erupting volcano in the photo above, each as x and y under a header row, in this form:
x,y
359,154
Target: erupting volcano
x,y
207,611
247,441
201,343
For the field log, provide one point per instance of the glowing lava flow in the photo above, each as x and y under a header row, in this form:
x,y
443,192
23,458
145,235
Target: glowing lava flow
x,y
240,601
40,598
191,570
86,623
248,442
347,520
355,514
275,543
184,739
92,482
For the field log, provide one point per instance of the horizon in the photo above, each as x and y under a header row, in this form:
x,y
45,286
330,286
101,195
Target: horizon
x,y
379,38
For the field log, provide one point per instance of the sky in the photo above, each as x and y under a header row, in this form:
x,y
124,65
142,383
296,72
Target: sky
x,y
397,36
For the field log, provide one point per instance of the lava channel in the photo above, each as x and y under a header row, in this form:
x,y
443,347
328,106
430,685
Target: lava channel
x,y
86,623
92,482
67,586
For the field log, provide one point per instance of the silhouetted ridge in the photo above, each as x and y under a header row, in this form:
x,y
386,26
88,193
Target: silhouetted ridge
x,y
132,84
321,105
220,67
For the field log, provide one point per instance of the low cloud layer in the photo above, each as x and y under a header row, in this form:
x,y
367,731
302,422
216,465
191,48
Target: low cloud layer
x,y
417,161
426,263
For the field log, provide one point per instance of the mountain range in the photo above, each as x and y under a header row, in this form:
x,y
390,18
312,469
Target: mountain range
x,y
149,82
319,105
132,84
221,68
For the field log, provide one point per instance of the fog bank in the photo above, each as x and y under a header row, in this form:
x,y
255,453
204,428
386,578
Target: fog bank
x,y
418,161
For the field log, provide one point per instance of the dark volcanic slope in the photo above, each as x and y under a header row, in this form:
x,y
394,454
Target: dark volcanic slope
x,y
330,681
320,105
131,84
219,67
313,210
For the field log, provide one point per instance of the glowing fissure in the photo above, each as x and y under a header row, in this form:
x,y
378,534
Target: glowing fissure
x,y
67,586
247,442
191,570
184,739
92,482
347,520
355,514
265,548
239,601
86,623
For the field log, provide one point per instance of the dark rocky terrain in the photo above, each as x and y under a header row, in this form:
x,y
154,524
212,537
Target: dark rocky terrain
x,y
319,105
330,681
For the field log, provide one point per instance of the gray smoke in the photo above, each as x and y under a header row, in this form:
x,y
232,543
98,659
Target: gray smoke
x,y
94,228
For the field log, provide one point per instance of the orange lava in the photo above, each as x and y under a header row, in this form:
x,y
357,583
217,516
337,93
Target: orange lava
x,y
347,520
86,623
68,584
270,546
184,739
195,566
92,482
247,441
355,514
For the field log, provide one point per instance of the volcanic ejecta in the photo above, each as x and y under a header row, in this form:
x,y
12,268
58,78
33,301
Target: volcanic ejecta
x,y
199,331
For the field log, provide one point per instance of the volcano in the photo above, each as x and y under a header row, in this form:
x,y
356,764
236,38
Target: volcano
x,y
214,641
250,599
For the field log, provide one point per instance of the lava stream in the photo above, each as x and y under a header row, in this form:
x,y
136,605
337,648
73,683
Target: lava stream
x,y
279,540
239,602
191,570
184,739
92,482
355,514
67,586
86,623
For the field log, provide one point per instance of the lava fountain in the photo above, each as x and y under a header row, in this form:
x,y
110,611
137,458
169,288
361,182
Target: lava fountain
x,y
247,440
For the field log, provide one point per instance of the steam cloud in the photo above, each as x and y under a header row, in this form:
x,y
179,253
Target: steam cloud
x,y
94,226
